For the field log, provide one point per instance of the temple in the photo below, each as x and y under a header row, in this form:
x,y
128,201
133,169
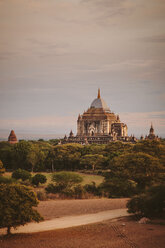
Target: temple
x,y
151,135
12,139
98,125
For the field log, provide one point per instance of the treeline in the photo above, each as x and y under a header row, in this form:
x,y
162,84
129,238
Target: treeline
x,y
43,156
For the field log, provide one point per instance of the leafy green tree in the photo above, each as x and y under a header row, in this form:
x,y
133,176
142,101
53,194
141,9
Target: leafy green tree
x,y
5,180
65,157
65,183
141,168
66,179
149,204
21,152
32,158
39,178
16,206
92,161
21,174
116,187
2,170
152,147
119,147
6,154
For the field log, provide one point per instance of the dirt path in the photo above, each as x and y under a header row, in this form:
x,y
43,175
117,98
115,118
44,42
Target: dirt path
x,y
70,221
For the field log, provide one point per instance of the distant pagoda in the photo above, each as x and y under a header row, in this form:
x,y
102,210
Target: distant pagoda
x,y
12,139
152,135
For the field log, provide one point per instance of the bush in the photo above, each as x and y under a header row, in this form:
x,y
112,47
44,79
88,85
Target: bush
x,y
149,204
54,189
79,191
92,188
41,195
66,179
39,178
21,174
2,170
5,180
115,187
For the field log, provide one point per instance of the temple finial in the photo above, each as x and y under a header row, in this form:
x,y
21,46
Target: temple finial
x,y
98,93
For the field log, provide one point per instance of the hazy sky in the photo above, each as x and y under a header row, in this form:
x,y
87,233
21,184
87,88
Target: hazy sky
x,y
54,54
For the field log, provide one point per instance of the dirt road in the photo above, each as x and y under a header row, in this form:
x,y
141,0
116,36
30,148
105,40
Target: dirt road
x,y
70,221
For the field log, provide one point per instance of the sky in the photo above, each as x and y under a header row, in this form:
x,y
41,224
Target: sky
x,y
55,54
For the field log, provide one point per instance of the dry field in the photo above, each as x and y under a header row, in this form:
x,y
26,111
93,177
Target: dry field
x,y
121,233
59,208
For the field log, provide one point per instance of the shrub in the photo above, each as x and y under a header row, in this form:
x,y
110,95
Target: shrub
x,y
41,195
66,179
5,180
39,178
2,170
92,188
21,174
54,189
149,204
79,191
115,187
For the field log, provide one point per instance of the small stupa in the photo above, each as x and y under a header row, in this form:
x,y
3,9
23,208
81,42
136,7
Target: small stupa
x,y
12,139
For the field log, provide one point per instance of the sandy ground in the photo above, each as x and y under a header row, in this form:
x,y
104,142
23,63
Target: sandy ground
x,y
123,233
119,233
59,208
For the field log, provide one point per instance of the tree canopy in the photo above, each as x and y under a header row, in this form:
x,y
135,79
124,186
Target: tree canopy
x,y
2,169
16,206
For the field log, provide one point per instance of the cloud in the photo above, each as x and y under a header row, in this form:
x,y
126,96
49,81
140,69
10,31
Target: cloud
x,y
56,124
155,38
139,122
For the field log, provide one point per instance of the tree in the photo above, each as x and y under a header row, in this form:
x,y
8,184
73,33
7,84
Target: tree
x,y
149,204
16,206
21,152
64,157
142,168
92,161
2,170
66,179
64,183
21,174
152,147
39,178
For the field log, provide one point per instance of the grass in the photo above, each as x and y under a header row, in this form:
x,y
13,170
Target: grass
x,y
87,178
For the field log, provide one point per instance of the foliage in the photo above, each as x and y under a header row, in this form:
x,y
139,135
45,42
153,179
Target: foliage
x,y
92,189
64,157
39,178
141,168
79,191
92,161
115,187
66,179
149,204
5,180
66,184
21,174
16,202
2,170
21,152
41,195
42,155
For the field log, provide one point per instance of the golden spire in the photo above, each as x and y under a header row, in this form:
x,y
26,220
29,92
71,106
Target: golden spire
x,y
98,93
